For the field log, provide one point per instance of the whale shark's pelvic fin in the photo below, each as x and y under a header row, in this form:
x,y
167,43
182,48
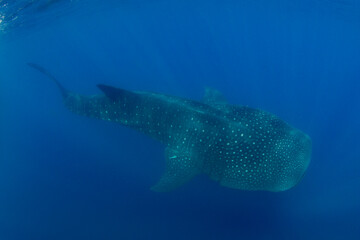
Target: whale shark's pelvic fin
x,y
181,166
63,91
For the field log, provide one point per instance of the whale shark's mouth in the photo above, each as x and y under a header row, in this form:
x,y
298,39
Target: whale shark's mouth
x,y
302,157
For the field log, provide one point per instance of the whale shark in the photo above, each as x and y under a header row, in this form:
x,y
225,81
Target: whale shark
x,y
237,146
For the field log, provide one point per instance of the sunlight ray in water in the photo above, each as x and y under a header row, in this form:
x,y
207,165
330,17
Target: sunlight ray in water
x,y
23,14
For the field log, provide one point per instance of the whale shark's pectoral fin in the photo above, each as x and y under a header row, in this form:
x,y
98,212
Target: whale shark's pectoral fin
x,y
214,98
181,166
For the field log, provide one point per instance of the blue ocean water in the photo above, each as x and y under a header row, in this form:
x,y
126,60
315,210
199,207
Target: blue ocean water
x,y
63,176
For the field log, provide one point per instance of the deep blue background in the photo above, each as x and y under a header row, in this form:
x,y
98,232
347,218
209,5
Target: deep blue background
x,y
63,176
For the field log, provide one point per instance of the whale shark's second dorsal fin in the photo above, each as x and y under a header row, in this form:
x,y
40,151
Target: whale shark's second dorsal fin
x,y
181,166
214,98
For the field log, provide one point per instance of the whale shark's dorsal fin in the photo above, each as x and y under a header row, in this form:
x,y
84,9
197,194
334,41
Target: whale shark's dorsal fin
x,y
114,93
214,98
181,166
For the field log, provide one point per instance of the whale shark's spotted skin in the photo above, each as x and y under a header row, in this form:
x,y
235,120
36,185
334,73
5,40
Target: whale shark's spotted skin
x,y
237,146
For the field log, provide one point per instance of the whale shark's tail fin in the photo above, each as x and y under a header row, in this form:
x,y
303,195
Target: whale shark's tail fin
x,y
63,91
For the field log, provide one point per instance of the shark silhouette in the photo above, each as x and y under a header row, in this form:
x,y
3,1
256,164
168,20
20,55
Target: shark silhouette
x,y
237,146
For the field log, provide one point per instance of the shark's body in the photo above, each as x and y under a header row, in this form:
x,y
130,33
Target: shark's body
x,y
237,146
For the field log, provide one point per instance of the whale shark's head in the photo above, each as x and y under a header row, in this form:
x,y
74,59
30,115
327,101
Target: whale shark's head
x,y
295,154
238,146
